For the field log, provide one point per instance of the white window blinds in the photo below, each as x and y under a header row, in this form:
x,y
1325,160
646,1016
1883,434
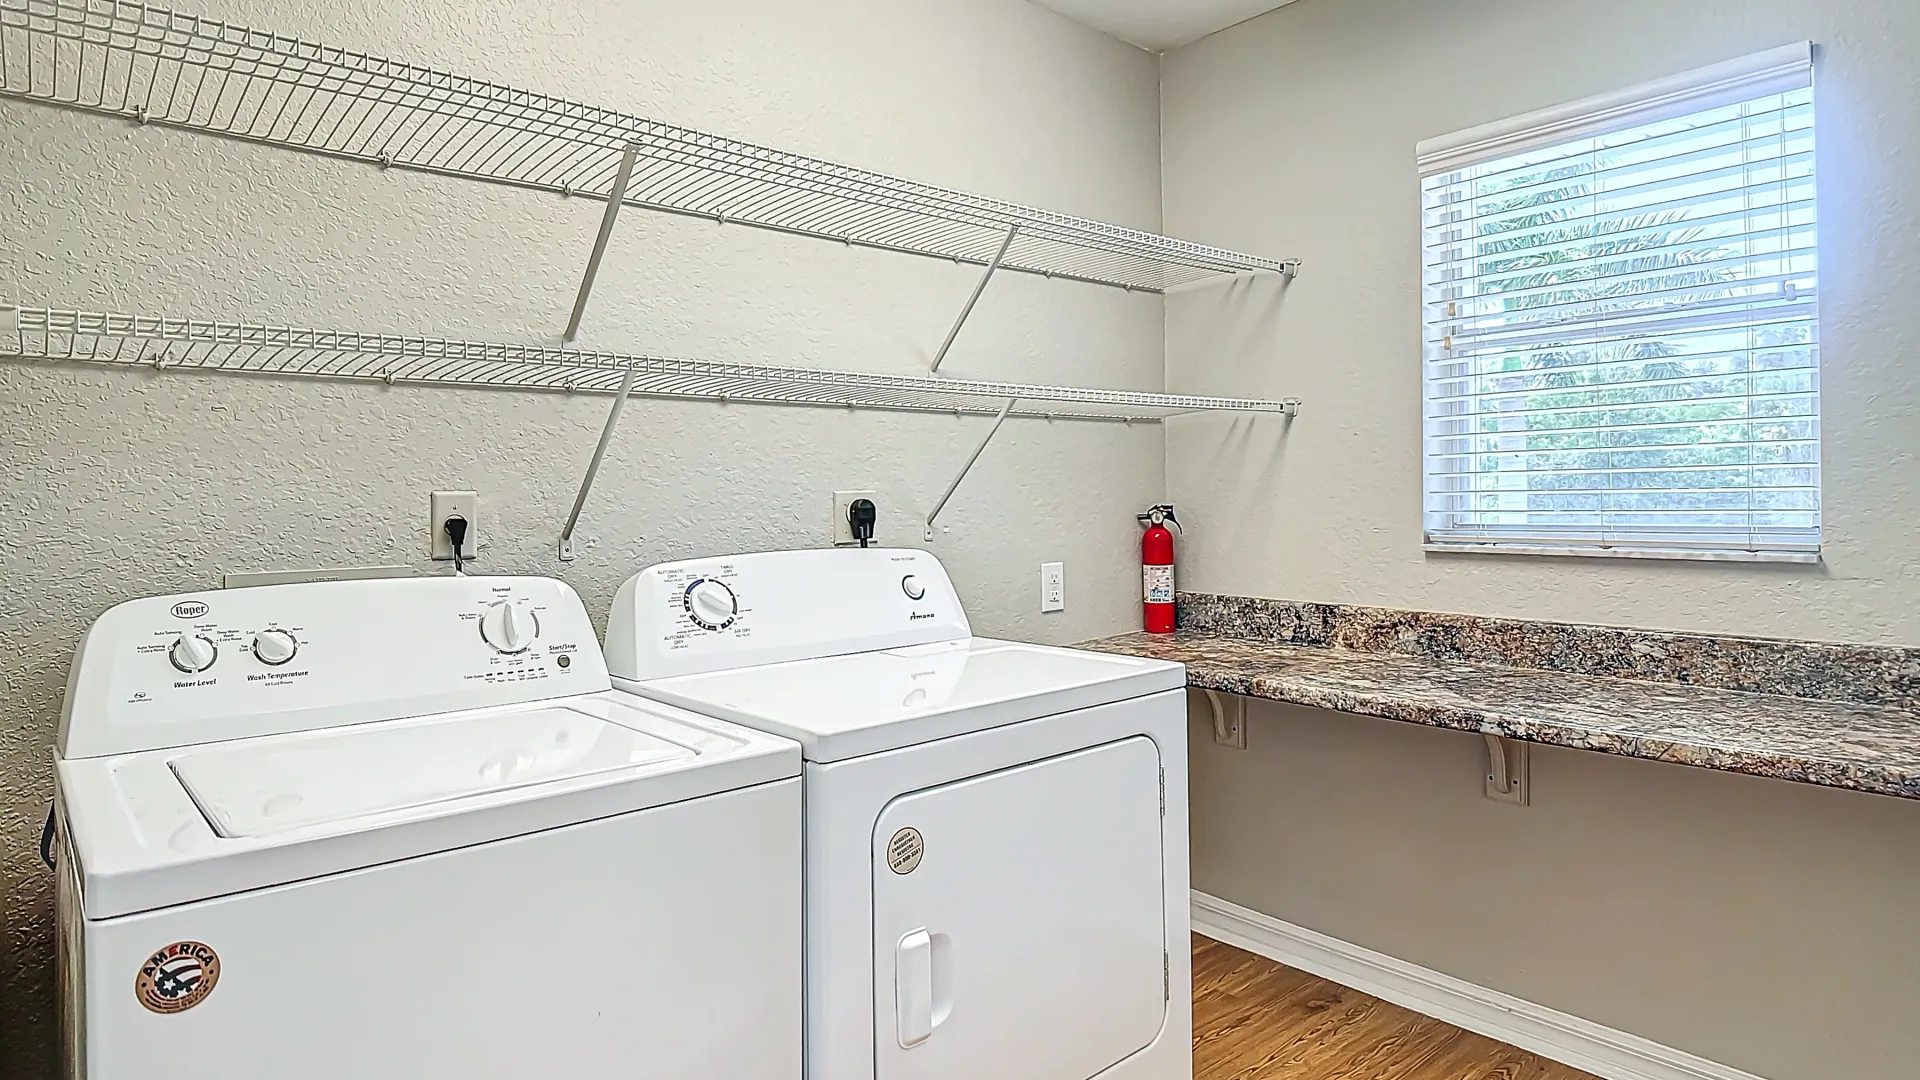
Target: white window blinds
x,y
1621,338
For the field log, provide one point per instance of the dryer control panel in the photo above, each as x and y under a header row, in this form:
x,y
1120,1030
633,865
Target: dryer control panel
x,y
682,618
180,670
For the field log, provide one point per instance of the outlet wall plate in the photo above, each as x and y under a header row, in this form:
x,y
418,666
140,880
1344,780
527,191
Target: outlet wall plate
x,y
445,504
1053,587
842,530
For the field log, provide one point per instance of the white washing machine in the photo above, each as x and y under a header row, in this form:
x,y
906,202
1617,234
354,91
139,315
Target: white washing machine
x,y
996,832
401,830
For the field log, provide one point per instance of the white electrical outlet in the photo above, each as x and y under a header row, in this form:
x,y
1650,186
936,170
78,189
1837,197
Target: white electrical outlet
x,y
842,531
1053,586
446,504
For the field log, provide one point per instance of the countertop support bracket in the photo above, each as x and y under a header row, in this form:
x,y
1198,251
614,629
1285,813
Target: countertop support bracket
x,y
593,467
968,467
1508,778
981,287
1229,718
615,196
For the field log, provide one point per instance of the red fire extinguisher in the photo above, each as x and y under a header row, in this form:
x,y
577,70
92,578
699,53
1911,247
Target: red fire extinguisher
x,y
1156,568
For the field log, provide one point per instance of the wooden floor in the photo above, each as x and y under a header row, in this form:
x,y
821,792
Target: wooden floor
x,y
1254,1019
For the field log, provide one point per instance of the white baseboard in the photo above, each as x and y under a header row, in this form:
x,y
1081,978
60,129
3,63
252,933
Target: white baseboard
x,y
1583,1044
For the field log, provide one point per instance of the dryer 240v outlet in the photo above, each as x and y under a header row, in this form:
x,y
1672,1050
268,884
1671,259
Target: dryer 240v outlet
x,y
996,832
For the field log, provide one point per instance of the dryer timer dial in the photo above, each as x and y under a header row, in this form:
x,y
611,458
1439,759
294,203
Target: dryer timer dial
x,y
711,605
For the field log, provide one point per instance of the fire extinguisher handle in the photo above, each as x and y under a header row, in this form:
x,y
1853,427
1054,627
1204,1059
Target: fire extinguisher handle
x,y
1156,514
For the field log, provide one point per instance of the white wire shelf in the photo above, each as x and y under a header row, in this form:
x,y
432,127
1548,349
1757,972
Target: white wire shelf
x,y
243,348
163,67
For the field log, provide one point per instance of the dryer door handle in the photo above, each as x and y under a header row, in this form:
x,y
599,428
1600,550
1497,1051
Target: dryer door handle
x,y
913,987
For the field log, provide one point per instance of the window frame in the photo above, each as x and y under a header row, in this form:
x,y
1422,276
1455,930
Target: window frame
x,y
1777,71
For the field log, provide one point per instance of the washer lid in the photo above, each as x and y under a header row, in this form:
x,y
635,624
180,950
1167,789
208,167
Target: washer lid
x,y
163,827
263,788
849,706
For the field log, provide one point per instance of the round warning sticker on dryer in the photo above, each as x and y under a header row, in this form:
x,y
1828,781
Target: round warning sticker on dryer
x,y
177,977
905,850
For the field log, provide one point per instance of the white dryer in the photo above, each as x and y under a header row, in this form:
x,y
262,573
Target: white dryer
x,y
399,830
996,832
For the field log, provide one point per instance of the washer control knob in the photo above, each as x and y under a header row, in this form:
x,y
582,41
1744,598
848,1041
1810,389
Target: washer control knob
x,y
508,626
711,604
912,587
274,647
193,653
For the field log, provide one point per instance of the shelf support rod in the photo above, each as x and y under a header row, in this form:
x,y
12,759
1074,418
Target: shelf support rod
x,y
593,467
968,467
941,356
615,196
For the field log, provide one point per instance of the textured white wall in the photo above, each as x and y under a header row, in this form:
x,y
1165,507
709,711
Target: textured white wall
x,y
1766,925
117,484
1293,135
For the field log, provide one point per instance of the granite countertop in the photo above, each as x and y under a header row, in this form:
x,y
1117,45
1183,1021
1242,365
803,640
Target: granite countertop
x,y
1835,743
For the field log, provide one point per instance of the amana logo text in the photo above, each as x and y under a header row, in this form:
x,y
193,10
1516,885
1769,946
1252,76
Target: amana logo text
x,y
189,609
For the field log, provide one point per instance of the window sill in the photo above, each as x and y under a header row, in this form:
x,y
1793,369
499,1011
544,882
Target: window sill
x,y
1683,554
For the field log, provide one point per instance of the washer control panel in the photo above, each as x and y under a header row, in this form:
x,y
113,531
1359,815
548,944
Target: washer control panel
x,y
179,670
743,610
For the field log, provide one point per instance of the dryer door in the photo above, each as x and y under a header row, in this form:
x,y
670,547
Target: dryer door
x,y
1018,920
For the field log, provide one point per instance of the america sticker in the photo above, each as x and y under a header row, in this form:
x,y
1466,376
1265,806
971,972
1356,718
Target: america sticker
x,y
177,977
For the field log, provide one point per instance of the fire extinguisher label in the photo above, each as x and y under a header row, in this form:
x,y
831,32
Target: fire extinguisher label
x,y
1157,584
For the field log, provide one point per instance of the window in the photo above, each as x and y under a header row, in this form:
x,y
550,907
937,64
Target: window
x,y
1621,329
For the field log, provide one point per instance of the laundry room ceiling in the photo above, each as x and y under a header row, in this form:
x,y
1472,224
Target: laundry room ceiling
x,y
1160,25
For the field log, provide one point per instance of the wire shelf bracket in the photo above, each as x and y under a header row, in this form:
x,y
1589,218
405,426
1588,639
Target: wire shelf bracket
x,y
998,257
565,547
999,419
178,70
616,197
